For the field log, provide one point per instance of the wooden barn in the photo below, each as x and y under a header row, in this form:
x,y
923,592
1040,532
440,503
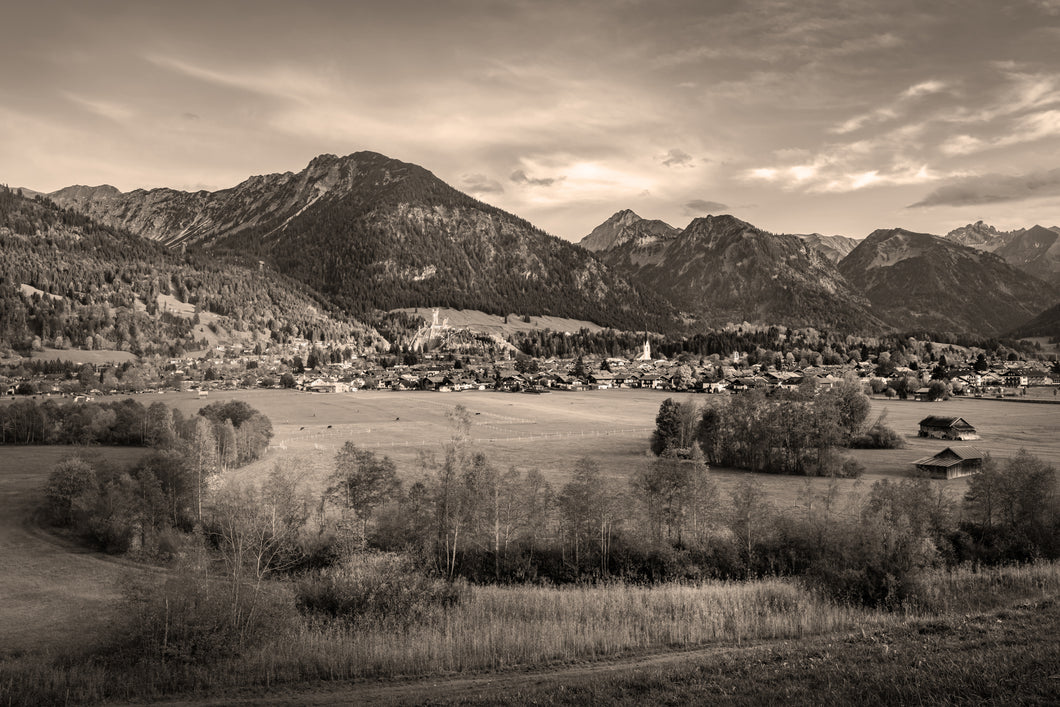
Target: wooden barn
x,y
939,427
952,462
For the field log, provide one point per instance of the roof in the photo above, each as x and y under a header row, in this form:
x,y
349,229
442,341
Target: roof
x,y
946,422
956,456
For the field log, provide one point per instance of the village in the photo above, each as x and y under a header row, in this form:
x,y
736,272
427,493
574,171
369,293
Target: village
x,y
303,365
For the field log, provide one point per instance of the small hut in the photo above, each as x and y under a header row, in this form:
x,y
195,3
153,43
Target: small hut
x,y
952,462
956,428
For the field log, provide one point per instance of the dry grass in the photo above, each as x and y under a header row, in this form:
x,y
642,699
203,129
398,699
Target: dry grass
x,y
503,628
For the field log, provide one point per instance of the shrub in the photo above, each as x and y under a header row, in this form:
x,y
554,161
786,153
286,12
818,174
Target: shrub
x,y
878,436
375,587
70,479
193,619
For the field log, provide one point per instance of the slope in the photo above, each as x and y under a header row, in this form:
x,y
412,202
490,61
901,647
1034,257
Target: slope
x,y
106,288
917,281
721,269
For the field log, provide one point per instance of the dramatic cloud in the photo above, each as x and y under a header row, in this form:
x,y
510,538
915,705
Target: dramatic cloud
x,y
994,188
702,207
519,176
677,158
815,118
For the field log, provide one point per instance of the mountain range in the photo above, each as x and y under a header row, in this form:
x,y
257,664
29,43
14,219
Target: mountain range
x,y
1035,250
720,269
367,233
371,232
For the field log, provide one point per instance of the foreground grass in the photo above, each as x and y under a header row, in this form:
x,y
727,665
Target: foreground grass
x,y
499,628
1000,657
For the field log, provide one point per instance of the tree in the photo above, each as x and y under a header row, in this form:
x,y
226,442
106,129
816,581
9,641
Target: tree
x,y
70,479
287,380
362,482
675,426
203,457
588,514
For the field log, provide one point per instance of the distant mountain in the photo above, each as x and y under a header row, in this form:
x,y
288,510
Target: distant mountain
x,y
980,236
371,232
835,248
919,281
626,227
1037,251
106,288
721,269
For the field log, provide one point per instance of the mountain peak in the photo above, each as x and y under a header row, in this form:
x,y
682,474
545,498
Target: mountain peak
x,y
624,227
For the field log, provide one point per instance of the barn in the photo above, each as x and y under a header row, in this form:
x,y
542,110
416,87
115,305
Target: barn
x,y
952,462
939,427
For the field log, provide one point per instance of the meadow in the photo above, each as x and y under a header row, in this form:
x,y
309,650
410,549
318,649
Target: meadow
x,y
550,431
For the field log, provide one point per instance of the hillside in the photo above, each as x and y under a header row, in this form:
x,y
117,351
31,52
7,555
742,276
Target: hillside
x,y
72,282
835,248
374,233
1045,324
917,281
721,269
1037,251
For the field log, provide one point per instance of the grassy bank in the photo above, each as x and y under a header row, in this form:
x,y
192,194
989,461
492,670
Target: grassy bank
x,y
501,628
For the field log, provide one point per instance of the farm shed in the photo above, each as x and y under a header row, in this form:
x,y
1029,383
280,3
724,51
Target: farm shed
x,y
952,462
946,428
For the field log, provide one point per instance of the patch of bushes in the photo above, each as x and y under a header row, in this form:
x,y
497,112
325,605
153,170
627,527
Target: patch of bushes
x,y
375,587
191,618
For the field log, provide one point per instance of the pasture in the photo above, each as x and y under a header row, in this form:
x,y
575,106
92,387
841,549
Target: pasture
x,y
551,431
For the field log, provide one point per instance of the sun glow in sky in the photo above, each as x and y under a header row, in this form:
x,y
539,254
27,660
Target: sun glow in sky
x,y
801,116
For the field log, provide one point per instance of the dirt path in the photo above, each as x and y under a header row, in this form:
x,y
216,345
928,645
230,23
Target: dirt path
x,y
488,687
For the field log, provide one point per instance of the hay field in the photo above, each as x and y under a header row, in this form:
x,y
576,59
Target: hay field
x,y
551,431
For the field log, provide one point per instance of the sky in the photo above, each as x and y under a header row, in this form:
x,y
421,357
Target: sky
x,y
837,116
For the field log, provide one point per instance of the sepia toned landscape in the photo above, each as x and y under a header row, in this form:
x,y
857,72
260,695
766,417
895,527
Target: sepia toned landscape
x,y
530,353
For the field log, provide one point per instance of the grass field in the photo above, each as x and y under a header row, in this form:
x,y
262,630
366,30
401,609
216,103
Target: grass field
x,y
48,584
551,431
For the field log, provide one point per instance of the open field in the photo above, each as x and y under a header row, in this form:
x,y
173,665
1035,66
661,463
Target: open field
x,y
49,584
551,431
478,321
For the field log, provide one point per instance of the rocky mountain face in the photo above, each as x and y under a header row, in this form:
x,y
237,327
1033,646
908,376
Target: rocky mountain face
x,y
917,281
626,227
721,269
979,235
835,248
372,232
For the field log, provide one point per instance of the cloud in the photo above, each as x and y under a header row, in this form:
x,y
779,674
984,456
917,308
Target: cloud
x,y
677,158
481,184
1029,128
519,176
106,109
924,88
699,207
993,189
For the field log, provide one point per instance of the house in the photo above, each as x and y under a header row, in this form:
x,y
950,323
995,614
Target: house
x,y
952,462
946,428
